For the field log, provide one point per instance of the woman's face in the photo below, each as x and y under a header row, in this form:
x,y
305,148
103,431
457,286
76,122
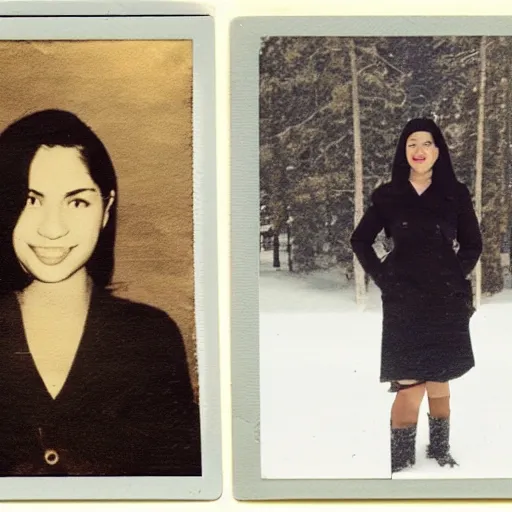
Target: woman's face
x,y
421,152
59,227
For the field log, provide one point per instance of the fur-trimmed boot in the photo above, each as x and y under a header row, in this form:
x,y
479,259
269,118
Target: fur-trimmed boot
x,y
439,447
403,448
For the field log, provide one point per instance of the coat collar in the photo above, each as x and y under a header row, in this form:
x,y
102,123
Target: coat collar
x,y
433,198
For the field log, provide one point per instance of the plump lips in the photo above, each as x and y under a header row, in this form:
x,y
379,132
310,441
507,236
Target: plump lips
x,y
419,159
51,255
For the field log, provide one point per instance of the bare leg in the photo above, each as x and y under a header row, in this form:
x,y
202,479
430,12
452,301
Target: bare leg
x,y
404,418
438,399
406,407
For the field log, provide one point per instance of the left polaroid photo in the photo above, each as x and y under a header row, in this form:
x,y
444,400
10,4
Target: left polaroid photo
x,y
108,275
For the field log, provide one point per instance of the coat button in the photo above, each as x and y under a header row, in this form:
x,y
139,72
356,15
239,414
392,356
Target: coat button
x,y
51,457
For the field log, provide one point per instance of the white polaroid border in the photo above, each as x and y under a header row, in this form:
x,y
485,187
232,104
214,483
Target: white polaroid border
x,y
246,35
165,21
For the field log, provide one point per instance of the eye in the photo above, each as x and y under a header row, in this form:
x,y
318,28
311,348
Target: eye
x,y
33,201
79,203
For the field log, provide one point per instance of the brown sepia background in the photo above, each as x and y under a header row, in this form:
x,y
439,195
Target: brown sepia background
x,y
137,97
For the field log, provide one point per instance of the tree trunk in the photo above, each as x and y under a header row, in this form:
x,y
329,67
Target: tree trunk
x,y
289,246
278,191
480,160
358,172
277,261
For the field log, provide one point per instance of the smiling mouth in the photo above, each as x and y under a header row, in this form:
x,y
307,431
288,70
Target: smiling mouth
x,y
51,255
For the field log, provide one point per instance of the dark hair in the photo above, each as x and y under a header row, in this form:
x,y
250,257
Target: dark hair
x,y
18,144
442,172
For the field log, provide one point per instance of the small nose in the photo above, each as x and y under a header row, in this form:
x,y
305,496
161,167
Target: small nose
x,y
52,225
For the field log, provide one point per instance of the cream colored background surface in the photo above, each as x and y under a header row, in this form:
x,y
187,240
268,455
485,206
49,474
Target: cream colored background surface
x,y
225,11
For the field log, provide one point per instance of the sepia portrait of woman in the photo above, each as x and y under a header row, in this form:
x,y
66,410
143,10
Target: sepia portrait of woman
x,y
426,294
92,384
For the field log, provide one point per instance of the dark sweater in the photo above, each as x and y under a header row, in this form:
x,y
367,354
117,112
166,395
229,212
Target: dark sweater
x,y
126,407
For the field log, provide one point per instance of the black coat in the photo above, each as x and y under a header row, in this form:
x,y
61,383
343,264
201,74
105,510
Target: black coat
x,y
426,293
126,408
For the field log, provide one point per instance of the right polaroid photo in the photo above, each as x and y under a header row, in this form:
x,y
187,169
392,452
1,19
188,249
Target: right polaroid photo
x,y
384,255
378,158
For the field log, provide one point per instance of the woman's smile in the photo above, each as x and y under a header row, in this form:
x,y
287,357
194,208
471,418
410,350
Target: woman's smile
x,y
52,255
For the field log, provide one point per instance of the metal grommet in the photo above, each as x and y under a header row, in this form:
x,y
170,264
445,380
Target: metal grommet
x,y
51,457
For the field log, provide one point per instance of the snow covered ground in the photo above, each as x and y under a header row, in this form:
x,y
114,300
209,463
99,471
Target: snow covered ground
x,y
324,413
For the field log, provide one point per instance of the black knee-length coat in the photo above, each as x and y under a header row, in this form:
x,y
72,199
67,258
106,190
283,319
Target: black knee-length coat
x,y
426,293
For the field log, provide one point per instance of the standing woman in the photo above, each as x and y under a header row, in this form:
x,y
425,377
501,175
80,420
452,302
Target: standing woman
x,y
426,293
91,384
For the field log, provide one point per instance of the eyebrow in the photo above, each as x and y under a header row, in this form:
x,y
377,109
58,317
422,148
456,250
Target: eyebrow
x,y
69,194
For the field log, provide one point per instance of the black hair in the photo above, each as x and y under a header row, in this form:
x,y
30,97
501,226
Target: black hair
x,y
19,143
442,171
